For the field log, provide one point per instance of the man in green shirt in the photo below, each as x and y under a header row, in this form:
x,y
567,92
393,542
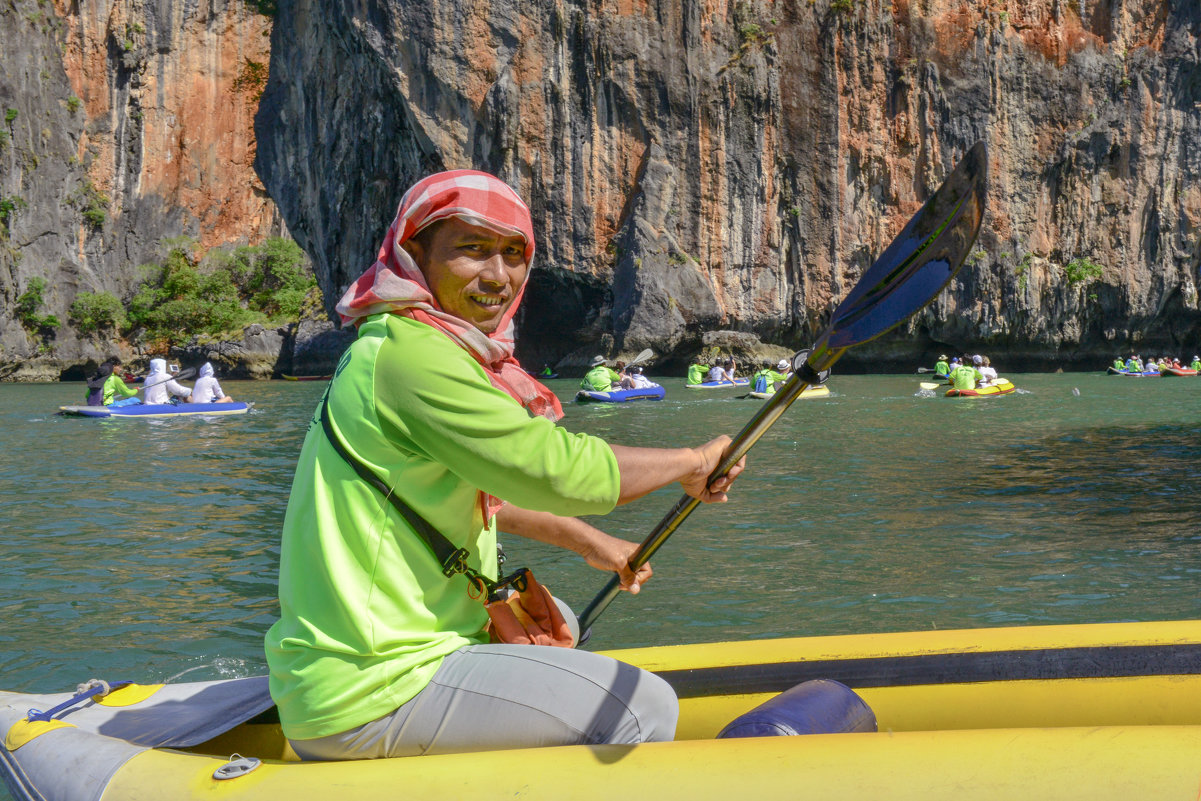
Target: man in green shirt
x,y
965,377
379,653
697,373
599,377
941,368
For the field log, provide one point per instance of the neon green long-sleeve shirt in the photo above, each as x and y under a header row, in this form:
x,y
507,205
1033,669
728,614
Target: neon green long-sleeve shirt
x,y
366,614
114,386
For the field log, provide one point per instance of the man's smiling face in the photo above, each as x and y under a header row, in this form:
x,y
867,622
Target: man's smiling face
x,y
473,272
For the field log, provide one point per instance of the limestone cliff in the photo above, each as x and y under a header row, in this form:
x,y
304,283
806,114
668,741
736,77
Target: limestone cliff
x,y
126,123
703,164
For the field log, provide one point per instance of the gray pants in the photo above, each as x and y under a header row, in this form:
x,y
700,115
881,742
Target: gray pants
x,y
514,696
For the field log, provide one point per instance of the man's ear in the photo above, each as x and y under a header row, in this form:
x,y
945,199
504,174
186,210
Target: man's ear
x,y
414,249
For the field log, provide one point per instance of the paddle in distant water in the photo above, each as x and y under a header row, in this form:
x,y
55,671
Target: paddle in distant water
x,y
910,272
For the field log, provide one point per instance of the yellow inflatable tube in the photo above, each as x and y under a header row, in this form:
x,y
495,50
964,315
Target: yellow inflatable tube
x,y
1096,712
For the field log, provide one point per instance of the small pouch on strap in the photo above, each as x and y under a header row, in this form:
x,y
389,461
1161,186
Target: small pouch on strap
x,y
526,614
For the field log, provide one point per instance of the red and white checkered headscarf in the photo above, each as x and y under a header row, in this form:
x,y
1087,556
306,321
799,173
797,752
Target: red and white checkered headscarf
x,y
394,283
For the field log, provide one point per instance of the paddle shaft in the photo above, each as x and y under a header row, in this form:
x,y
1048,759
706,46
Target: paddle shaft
x,y
181,375
820,360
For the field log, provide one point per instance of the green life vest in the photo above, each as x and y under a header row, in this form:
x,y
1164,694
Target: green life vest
x,y
697,373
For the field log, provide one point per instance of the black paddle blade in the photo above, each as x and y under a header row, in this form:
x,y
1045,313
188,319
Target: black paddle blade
x,y
920,261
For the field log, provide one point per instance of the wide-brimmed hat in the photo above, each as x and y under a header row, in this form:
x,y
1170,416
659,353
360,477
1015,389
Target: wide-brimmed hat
x,y
597,360
942,358
782,364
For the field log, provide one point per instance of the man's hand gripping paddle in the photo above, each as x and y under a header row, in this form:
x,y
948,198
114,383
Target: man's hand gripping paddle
x,y
910,272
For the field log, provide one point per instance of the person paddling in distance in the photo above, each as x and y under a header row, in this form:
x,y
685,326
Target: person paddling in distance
x,y
159,387
106,384
965,377
1195,364
206,389
378,652
634,379
697,372
721,371
762,377
782,372
600,378
987,371
941,368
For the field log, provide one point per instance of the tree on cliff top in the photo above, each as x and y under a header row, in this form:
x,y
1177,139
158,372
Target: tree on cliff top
x,y
222,292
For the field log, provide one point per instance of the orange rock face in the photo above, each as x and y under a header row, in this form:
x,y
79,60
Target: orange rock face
x,y
170,104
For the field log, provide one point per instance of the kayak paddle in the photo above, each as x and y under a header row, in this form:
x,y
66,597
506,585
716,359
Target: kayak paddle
x,y
930,385
640,358
911,271
181,375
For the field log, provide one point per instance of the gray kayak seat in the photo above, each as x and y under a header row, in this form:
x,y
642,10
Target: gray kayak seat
x,y
78,761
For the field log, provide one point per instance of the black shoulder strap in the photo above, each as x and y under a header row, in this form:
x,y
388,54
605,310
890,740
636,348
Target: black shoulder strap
x,y
452,559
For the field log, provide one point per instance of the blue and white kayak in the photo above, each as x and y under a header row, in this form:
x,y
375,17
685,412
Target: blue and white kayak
x,y
738,382
1134,373
157,409
621,395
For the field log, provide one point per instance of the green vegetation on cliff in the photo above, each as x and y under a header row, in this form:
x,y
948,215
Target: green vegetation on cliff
x,y
219,293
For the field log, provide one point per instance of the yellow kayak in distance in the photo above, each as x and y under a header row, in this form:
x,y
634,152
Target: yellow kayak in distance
x,y
1103,712
809,392
1002,386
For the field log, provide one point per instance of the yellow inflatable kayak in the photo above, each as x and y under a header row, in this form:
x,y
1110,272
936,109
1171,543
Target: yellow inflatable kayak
x,y
1002,386
808,392
1096,712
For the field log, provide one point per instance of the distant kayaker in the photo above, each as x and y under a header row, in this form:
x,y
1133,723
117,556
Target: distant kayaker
x,y
634,379
988,372
697,373
1118,364
941,367
599,378
782,372
965,377
762,378
206,389
720,373
1196,363
380,653
159,386
1134,364
106,384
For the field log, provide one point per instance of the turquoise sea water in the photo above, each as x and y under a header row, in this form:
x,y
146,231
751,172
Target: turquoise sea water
x,y
147,549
